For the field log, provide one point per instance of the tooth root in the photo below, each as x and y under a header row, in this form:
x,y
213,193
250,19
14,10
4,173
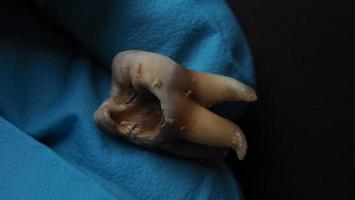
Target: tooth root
x,y
205,127
212,89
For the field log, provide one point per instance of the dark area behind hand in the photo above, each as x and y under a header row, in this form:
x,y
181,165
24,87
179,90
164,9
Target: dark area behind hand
x,y
301,131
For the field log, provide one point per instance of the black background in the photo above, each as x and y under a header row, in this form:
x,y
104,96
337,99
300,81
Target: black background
x,y
301,132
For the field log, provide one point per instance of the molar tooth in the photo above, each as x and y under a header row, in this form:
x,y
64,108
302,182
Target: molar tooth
x,y
180,106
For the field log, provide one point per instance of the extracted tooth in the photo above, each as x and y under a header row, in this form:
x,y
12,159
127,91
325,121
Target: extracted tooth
x,y
154,102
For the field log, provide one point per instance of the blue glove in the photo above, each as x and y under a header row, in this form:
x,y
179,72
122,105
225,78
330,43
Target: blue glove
x,y
55,61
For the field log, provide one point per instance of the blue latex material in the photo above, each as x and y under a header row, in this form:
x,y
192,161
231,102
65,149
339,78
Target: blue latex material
x,y
55,71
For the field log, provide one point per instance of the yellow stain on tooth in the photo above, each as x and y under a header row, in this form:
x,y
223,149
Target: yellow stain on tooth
x,y
126,127
156,83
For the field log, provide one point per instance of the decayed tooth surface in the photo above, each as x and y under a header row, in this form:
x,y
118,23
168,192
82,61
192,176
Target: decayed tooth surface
x,y
152,97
